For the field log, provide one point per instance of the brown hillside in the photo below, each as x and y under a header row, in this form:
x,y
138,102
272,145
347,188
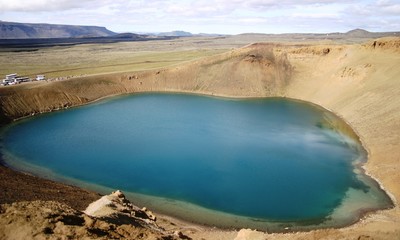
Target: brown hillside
x,y
252,71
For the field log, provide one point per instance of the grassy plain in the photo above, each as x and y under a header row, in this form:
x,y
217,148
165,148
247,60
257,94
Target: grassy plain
x,y
90,59
100,58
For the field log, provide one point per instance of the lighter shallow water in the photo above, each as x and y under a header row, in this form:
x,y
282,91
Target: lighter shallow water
x,y
262,163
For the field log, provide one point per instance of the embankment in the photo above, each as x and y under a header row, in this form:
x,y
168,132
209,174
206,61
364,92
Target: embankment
x,y
360,83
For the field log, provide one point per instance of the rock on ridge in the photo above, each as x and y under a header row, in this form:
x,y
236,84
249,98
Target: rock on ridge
x,y
110,217
116,208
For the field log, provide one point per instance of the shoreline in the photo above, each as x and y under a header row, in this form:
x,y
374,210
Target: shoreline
x,y
363,213
363,165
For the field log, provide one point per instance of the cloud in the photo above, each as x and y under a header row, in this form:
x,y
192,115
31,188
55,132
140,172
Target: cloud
x,y
378,10
41,5
254,20
266,4
223,16
315,15
180,7
392,9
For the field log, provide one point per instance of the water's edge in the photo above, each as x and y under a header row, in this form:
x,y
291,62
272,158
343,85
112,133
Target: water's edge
x,y
337,123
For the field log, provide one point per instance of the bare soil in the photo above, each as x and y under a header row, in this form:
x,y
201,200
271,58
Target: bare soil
x,y
17,186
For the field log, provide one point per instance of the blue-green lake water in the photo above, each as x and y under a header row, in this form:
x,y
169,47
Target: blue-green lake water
x,y
263,163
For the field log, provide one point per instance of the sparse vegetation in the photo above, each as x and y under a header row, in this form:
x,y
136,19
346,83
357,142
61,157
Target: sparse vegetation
x,y
89,59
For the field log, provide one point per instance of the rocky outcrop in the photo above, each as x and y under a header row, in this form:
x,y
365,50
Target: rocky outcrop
x,y
116,208
388,43
110,217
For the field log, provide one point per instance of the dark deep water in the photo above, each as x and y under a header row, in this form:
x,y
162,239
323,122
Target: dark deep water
x,y
261,160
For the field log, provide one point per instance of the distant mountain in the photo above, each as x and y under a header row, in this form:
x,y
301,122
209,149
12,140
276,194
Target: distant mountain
x,y
12,30
184,34
359,33
129,36
210,35
174,34
353,36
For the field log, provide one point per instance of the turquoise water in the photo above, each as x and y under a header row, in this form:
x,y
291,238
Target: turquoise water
x,y
263,159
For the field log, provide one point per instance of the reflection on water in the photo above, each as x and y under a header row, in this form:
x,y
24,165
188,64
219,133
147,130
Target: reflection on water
x,y
262,163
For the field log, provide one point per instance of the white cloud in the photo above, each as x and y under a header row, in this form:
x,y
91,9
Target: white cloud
x,y
393,9
40,5
254,20
263,4
315,15
223,16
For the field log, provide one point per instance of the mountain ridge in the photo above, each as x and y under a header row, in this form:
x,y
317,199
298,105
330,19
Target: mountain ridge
x,y
15,30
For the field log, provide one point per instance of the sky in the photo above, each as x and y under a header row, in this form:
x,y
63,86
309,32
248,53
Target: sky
x,y
212,16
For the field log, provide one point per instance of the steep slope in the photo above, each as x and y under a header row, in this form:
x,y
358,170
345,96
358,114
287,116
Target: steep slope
x,y
12,30
252,71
